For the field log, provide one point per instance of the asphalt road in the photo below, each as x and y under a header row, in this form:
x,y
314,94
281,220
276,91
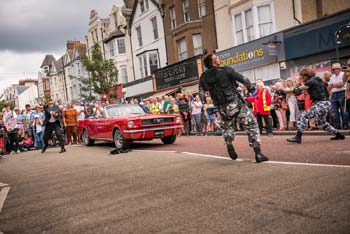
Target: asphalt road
x,y
314,149
88,191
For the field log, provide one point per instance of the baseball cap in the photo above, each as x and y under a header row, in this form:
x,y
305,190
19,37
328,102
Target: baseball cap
x,y
336,66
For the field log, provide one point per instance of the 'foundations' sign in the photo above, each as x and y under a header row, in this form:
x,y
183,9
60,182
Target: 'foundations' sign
x,y
254,54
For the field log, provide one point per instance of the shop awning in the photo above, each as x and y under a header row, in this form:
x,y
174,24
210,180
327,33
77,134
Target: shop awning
x,y
164,92
190,89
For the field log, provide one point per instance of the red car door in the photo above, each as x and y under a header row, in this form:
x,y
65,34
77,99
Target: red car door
x,y
100,128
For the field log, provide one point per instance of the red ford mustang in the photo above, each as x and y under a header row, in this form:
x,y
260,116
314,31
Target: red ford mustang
x,y
124,123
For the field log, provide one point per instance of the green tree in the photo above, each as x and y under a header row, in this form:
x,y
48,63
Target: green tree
x,y
103,73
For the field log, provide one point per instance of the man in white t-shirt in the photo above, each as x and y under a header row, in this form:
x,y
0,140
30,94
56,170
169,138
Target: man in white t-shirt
x,y
196,115
80,109
337,88
10,122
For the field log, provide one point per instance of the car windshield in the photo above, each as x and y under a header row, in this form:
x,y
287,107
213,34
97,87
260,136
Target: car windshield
x,y
124,110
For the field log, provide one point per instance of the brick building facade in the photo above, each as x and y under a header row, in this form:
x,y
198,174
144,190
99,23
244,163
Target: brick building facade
x,y
189,27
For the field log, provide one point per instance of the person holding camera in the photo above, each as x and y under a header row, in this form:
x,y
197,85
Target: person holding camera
x,y
318,94
172,108
53,124
221,82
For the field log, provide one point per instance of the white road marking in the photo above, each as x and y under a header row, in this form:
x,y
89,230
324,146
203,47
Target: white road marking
x,y
161,151
308,164
3,195
248,160
3,185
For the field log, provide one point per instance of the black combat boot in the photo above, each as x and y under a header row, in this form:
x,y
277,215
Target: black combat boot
x,y
231,150
297,138
62,150
43,149
259,156
338,136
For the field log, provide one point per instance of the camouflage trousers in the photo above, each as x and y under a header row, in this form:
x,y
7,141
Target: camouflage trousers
x,y
243,116
319,111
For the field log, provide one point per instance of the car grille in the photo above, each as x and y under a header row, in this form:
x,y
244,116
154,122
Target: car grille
x,y
157,121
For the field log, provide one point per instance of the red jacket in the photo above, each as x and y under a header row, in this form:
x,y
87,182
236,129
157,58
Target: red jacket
x,y
261,105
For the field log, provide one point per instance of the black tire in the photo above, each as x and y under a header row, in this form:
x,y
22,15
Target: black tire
x,y
86,139
169,139
119,140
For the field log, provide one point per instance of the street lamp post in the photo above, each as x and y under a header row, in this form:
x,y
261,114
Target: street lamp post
x,y
341,35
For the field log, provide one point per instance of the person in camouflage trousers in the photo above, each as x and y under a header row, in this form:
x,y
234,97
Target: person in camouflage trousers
x,y
318,94
245,118
221,83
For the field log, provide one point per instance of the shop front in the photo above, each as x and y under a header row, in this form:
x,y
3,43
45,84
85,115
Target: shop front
x,y
258,59
139,88
314,44
179,77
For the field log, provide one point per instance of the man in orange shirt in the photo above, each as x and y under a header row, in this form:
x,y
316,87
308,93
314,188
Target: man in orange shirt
x,y
71,123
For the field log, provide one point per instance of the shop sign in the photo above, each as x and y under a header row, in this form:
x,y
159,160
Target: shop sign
x,y
257,53
177,74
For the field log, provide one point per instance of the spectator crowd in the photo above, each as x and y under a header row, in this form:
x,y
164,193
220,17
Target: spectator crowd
x,y
276,108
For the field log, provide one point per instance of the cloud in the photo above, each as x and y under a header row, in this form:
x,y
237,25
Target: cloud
x,y
43,26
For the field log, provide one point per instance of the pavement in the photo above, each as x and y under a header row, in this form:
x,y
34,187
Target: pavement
x,y
86,190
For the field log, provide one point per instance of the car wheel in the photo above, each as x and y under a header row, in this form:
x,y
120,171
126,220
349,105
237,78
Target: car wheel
x,y
119,140
86,140
169,139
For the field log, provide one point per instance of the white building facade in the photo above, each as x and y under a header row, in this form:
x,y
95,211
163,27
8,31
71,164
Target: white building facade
x,y
56,81
148,44
147,38
118,47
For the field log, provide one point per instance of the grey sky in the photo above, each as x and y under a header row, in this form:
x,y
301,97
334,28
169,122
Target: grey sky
x,y
29,29
45,25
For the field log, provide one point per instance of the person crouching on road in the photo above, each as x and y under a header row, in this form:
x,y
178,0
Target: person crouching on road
x,y
221,82
318,94
53,122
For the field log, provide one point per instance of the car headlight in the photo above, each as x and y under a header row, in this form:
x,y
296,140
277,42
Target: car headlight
x,y
178,120
131,124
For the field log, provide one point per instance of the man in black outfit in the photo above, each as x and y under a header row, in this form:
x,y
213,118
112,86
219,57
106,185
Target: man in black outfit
x,y
318,94
53,122
221,82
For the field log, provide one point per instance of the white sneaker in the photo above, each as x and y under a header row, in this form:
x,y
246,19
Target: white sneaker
x,y
18,151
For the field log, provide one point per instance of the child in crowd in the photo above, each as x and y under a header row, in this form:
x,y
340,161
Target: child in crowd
x,y
24,141
39,131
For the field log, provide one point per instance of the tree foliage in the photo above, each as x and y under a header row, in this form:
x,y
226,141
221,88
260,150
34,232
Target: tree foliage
x,y
103,73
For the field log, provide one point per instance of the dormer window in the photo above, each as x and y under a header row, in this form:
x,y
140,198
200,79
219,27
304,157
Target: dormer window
x,y
144,5
46,70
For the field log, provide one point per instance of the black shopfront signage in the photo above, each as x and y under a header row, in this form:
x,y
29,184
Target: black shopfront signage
x,y
254,54
177,74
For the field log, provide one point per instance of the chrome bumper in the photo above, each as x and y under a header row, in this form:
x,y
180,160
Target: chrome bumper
x,y
152,129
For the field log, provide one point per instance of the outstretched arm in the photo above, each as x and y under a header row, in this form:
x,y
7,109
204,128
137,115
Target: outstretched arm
x,y
235,76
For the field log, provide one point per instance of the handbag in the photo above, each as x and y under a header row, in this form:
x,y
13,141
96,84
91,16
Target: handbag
x,y
285,105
